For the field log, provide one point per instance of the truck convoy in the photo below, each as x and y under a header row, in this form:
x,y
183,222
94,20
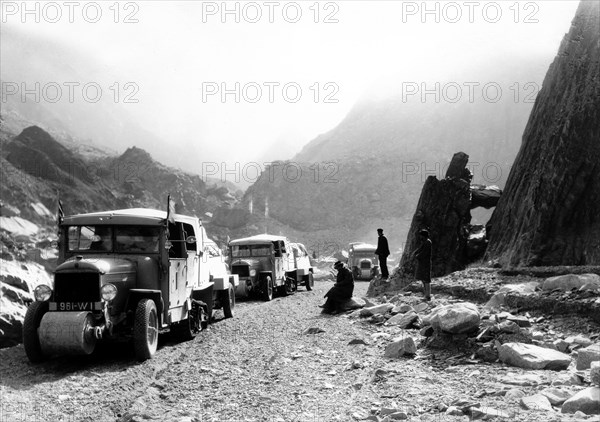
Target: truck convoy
x,y
133,274
266,264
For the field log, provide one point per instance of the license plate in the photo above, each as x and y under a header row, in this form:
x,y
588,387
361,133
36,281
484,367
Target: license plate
x,y
74,306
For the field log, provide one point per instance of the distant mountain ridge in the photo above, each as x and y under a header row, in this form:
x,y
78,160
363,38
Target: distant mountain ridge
x,y
385,148
37,168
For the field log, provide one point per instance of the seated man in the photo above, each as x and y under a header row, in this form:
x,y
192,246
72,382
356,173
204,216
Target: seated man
x,y
341,291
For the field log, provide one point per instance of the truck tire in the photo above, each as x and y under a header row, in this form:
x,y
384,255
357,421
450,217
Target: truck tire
x,y
267,289
31,340
310,282
145,329
228,301
189,328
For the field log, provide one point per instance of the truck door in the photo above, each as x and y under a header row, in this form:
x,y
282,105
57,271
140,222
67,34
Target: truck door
x,y
177,266
203,270
192,258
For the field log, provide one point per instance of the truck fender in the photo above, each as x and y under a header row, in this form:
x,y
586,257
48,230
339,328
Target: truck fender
x,y
205,294
135,295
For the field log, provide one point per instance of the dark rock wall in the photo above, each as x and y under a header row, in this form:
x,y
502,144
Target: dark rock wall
x,y
549,213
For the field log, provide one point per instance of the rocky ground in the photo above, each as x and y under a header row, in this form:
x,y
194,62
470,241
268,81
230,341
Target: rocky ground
x,y
284,361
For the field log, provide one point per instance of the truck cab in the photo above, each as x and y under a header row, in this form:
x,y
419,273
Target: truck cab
x,y
266,264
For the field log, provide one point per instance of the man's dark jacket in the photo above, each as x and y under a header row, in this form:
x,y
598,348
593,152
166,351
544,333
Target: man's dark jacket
x,y
344,286
423,257
383,249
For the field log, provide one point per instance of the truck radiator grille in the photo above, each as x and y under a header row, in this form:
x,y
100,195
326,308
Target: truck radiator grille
x,y
77,287
365,264
241,270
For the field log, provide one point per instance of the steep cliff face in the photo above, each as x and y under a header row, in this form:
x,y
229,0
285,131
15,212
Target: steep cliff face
x,y
550,211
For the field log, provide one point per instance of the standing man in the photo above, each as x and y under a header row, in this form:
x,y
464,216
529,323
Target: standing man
x,y
341,291
423,269
383,251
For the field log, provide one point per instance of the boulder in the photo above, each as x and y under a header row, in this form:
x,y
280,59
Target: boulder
x,y
529,356
401,346
498,299
563,282
403,320
588,355
579,341
457,318
586,401
353,303
536,402
573,281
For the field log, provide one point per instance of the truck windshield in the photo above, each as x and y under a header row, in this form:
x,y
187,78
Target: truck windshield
x,y
241,251
123,239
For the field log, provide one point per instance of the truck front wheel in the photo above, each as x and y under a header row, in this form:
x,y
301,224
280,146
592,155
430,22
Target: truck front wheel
x,y
31,340
145,329
310,282
267,288
228,301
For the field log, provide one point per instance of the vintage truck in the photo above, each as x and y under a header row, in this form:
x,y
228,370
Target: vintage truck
x,y
362,261
132,274
266,264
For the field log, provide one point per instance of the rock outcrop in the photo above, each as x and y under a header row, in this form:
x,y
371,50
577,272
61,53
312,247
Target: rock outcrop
x,y
549,213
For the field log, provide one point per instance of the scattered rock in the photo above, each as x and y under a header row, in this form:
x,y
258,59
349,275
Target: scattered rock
x,y
488,413
403,320
377,309
521,321
487,353
573,281
561,345
313,330
556,396
401,346
586,401
579,341
510,327
421,307
529,356
398,416
514,395
588,355
427,331
357,341
454,411
595,373
536,402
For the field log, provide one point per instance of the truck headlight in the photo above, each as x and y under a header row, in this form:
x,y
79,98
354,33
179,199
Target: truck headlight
x,y
108,292
252,273
42,293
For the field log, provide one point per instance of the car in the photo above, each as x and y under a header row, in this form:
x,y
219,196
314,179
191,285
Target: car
x,y
127,274
362,261
267,264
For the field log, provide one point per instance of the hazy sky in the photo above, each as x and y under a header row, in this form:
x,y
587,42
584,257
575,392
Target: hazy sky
x,y
181,55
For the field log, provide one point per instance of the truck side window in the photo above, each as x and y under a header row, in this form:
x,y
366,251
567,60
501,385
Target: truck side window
x,y
178,250
277,246
188,230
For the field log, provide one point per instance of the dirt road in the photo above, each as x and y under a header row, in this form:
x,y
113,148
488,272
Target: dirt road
x,y
259,366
